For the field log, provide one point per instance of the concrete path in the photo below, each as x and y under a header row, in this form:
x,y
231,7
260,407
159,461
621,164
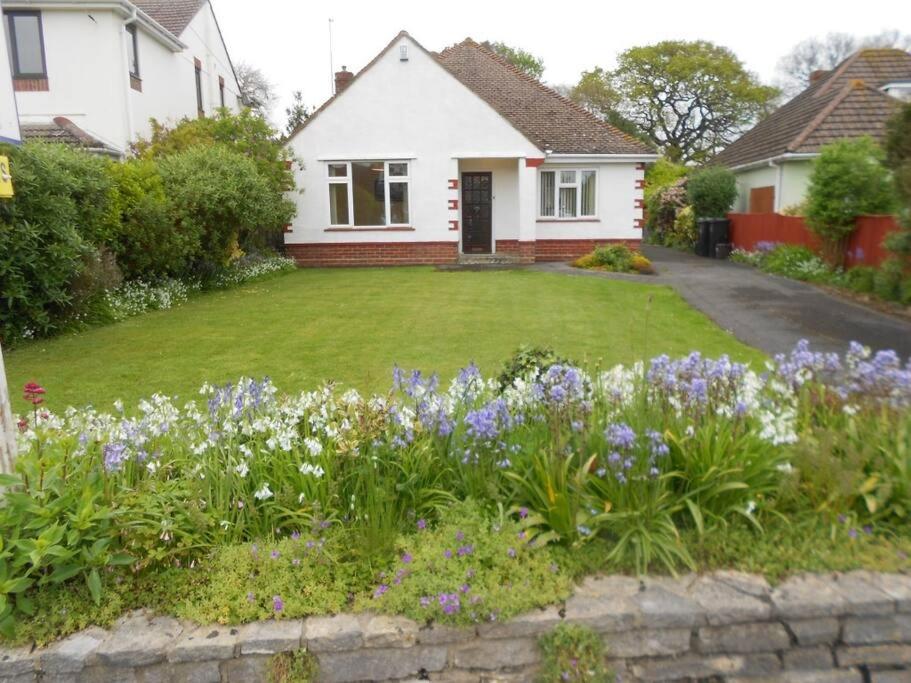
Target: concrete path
x,y
768,312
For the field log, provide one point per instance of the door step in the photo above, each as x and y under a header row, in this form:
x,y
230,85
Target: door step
x,y
487,259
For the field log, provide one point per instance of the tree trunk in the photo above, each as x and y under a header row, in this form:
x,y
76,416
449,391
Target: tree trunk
x,y
7,425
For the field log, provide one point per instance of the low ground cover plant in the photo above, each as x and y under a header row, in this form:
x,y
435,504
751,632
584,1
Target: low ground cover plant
x,y
888,282
615,258
456,504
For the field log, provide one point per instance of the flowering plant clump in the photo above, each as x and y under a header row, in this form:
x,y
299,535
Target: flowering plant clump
x,y
634,456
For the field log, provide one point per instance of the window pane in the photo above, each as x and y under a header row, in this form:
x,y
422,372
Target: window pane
x,y
547,193
368,183
28,43
567,202
338,203
589,188
131,50
567,177
399,169
338,170
398,202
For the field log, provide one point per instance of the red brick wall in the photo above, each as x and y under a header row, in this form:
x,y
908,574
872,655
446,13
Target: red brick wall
x,y
568,250
373,253
524,250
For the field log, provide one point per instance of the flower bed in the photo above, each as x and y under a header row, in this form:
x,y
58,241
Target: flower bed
x,y
459,505
615,258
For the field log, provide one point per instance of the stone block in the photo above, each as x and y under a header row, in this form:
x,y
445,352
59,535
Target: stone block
x,y
890,676
333,634
72,654
378,664
270,637
107,674
862,597
437,634
605,604
386,631
16,662
525,625
663,607
818,658
245,669
896,586
695,666
828,676
873,655
824,630
730,597
496,654
806,596
743,638
137,640
185,672
647,643
877,630
204,643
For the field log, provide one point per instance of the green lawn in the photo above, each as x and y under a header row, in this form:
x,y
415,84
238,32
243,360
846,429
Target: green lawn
x,y
353,325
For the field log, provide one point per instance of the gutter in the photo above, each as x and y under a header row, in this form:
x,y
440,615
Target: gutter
x,y
124,8
565,157
787,156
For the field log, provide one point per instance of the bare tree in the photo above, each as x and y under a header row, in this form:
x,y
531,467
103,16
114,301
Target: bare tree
x,y
826,53
257,91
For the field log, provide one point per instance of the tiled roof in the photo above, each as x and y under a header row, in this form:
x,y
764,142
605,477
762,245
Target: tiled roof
x,y
174,15
844,103
545,117
62,130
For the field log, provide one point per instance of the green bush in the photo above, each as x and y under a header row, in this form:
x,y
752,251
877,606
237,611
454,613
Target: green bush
x,y
661,213
148,242
573,653
797,262
848,180
860,279
904,295
712,191
525,360
220,201
888,280
661,174
615,257
60,215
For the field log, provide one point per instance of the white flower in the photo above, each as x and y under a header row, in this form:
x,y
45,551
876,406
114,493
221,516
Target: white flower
x,y
313,446
751,507
301,498
118,405
264,492
316,471
242,469
850,409
785,467
224,524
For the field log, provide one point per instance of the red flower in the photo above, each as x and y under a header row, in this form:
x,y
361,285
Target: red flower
x,y
22,424
32,392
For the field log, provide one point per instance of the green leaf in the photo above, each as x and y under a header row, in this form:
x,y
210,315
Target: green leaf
x,y
696,514
9,480
93,581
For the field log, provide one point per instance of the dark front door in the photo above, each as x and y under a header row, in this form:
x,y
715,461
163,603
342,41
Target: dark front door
x,y
476,213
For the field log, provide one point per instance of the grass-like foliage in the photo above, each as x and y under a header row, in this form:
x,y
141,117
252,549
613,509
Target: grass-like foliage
x,y
573,653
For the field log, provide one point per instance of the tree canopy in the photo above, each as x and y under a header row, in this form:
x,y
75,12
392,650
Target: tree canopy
x,y
257,91
691,99
519,58
596,93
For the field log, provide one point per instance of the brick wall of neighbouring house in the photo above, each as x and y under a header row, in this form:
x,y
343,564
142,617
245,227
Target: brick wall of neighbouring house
x,y
373,253
568,250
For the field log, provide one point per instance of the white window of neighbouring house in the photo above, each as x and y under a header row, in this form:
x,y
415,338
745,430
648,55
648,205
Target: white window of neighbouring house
x,y
26,43
568,193
133,51
368,193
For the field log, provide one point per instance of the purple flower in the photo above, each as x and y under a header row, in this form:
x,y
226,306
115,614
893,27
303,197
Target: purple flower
x,y
251,597
511,552
425,601
465,550
523,512
460,536
114,455
277,604
274,554
852,532
447,553
868,529
620,435
382,588
464,588
406,558
295,535
422,524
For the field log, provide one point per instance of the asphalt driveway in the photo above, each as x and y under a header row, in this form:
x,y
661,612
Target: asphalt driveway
x,y
765,311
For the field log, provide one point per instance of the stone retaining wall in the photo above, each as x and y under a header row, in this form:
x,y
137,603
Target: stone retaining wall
x,y
721,627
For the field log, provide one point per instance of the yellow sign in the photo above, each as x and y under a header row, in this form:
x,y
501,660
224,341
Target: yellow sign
x,y
6,180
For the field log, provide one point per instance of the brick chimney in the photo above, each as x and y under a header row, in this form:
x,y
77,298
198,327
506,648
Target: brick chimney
x,y
342,79
814,75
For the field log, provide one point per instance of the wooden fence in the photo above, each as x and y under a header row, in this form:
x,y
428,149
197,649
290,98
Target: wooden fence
x,y
864,246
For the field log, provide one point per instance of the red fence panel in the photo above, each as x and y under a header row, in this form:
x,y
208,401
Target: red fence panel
x,y
864,247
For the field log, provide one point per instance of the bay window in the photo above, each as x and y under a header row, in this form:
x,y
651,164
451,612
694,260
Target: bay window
x,y
368,193
568,193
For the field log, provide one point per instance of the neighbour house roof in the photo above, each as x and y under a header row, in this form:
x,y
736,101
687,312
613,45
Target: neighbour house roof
x,y
843,103
62,130
174,15
547,119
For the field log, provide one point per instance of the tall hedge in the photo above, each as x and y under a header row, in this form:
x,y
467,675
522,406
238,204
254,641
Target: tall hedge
x,y
712,191
62,211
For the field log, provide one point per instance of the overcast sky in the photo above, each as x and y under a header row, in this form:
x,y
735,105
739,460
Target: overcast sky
x,y
289,39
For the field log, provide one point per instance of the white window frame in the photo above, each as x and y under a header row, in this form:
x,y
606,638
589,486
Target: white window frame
x,y
387,180
557,171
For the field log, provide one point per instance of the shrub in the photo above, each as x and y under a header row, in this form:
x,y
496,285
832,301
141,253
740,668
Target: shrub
x,y
615,257
47,231
797,262
887,280
220,199
148,242
712,191
642,264
905,291
684,232
662,174
848,180
860,279
527,360
661,212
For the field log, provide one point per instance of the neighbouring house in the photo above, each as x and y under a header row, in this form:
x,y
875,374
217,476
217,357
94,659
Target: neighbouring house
x,y
93,73
773,160
9,119
425,158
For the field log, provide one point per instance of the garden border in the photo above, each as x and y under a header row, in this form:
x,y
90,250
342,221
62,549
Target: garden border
x,y
726,626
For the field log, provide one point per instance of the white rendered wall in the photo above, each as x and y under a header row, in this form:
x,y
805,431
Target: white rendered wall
x,y
764,176
396,110
9,120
